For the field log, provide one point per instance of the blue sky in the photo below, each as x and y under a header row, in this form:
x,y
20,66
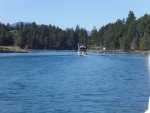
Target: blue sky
x,y
69,13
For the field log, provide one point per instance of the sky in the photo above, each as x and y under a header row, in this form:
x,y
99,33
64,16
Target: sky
x,y
70,13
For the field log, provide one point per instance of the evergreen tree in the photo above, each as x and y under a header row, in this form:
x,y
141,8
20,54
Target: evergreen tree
x,y
145,42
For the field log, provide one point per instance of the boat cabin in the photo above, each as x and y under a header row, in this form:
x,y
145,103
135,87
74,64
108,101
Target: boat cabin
x,y
82,48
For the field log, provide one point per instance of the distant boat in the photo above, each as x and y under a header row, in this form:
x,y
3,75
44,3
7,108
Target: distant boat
x,y
82,50
148,111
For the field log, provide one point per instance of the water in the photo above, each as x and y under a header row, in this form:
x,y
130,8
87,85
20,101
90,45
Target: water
x,y
62,82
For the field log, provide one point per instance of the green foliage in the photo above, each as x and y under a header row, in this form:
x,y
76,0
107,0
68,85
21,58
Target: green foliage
x,y
129,34
145,42
126,34
34,36
5,36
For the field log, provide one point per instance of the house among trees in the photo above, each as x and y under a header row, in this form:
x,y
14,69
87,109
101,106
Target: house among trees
x,y
13,31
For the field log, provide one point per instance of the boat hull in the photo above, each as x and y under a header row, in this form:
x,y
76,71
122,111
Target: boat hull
x,y
82,53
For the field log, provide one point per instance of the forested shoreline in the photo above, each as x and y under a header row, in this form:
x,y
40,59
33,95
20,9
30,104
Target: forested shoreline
x,y
126,34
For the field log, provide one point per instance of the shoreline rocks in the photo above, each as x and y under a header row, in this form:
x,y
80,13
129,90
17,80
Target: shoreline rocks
x,y
12,49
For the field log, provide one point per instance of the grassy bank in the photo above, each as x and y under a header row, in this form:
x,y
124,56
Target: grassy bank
x,y
12,49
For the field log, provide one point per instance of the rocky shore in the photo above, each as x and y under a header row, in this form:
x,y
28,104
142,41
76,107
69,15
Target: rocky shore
x,y
12,49
15,49
120,51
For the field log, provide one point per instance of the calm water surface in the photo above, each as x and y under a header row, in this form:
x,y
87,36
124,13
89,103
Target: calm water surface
x,y
62,82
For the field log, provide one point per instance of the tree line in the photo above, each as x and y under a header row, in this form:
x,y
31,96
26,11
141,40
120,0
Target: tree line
x,y
32,36
126,34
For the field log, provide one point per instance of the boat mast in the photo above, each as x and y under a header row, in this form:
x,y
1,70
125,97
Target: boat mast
x,y
78,47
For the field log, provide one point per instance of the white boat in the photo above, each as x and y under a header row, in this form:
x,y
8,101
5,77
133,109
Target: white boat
x,y
82,50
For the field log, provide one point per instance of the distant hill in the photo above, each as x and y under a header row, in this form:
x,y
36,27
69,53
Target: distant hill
x,y
24,23
89,33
